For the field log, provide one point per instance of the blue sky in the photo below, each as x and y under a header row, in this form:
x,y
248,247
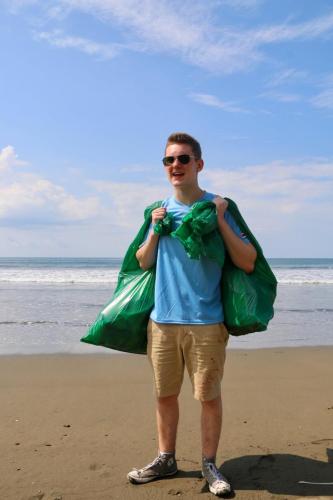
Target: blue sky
x,y
90,90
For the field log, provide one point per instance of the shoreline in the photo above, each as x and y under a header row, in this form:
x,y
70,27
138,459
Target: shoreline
x,y
74,425
106,352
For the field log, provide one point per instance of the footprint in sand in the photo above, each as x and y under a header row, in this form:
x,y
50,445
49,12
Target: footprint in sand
x,y
95,466
100,468
38,496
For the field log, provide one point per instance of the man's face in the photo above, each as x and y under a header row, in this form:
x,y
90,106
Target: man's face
x,y
181,175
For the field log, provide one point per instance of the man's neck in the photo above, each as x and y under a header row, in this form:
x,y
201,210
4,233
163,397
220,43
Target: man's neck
x,y
188,196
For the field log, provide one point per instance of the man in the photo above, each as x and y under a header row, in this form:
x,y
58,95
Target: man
x,y
186,324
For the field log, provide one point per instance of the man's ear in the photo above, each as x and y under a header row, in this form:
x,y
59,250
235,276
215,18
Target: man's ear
x,y
200,165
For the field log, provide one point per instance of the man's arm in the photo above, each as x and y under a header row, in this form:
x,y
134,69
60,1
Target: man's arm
x,y
147,253
242,254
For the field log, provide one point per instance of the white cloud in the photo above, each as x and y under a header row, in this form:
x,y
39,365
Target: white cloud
x,y
15,5
324,99
285,188
304,181
9,159
59,39
241,4
288,32
275,194
212,100
286,77
127,200
187,28
29,198
282,96
42,218
190,30
288,206
160,23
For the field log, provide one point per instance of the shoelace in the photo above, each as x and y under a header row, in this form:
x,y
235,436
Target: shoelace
x,y
216,473
156,461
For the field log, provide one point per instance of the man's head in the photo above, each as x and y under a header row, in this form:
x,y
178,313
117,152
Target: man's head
x,y
183,160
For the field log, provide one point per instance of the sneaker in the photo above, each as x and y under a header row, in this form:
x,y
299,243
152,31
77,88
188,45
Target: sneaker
x,y
218,484
162,466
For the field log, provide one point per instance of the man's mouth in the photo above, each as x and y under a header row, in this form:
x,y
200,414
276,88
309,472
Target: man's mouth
x,y
177,174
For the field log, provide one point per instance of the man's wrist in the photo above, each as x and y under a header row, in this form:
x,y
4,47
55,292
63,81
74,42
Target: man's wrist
x,y
154,235
221,221
220,211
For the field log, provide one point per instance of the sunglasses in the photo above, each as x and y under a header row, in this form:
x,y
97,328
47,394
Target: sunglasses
x,y
183,159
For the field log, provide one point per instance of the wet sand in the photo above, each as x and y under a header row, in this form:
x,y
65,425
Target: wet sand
x,y
72,427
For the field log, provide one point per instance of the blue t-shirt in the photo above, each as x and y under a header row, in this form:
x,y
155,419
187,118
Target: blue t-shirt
x,y
187,291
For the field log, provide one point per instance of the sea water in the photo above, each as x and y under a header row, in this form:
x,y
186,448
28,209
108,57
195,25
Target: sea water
x,y
47,304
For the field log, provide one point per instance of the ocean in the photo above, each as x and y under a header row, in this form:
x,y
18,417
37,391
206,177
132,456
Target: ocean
x,y
48,304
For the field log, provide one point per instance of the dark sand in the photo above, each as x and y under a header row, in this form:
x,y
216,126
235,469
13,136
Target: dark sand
x,y
72,427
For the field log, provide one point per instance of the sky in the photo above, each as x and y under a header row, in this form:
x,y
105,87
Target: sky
x,y
91,89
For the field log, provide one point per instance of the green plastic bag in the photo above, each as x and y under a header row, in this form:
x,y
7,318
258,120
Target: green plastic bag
x,y
248,299
122,324
199,235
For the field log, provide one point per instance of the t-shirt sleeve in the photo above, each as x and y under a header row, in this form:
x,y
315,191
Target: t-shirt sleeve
x,y
234,226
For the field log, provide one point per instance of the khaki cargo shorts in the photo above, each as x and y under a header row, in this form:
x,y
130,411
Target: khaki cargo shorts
x,y
201,348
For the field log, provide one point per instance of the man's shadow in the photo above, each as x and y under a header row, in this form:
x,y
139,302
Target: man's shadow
x,y
281,474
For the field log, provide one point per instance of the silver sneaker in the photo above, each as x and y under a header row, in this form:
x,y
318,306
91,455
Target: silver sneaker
x,y
162,466
218,484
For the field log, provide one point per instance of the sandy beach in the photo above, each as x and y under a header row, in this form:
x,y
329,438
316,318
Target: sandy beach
x,y
72,427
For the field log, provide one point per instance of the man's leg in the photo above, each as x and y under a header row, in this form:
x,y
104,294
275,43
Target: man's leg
x,y
165,356
167,416
164,465
205,356
211,422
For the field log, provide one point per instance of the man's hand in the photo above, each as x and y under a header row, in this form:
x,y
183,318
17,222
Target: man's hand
x,y
158,214
242,254
221,206
146,254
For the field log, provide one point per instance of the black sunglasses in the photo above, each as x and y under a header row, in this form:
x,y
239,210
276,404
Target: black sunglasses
x,y
183,159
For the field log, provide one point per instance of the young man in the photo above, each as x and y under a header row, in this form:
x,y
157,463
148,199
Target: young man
x,y
186,325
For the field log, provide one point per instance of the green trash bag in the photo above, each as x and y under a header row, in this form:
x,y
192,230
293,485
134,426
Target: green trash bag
x,y
248,299
199,235
122,323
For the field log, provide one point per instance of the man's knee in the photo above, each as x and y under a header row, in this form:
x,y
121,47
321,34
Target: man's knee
x,y
167,400
212,404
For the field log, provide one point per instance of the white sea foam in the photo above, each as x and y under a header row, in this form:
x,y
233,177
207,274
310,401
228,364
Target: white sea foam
x,y
301,276
59,276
